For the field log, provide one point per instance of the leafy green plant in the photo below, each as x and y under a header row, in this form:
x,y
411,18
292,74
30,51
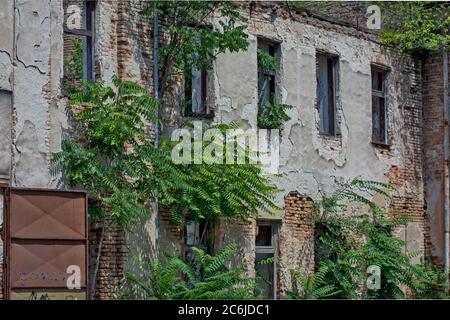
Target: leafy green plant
x,y
351,240
218,190
266,62
192,41
311,286
415,26
271,115
110,159
204,277
433,283
73,68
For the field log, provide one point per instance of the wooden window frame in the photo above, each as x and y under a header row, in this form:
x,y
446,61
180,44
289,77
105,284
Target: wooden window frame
x,y
272,249
381,95
332,92
88,34
273,50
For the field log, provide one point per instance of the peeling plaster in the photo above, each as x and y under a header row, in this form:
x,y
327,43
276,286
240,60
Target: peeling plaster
x,y
307,159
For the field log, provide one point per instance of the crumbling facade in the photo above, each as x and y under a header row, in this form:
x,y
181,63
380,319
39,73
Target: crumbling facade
x,y
406,151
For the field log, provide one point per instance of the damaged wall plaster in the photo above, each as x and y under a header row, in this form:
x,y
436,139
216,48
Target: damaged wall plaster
x,y
309,162
38,110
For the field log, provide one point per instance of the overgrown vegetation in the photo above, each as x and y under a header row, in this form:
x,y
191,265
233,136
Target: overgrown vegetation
x,y
193,41
355,233
271,115
73,68
123,171
415,26
112,157
204,277
311,286
113,160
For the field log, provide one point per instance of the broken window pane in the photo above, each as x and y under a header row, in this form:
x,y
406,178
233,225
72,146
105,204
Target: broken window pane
x,y
196,92
78,43
265,267
379,124
196,233
326,95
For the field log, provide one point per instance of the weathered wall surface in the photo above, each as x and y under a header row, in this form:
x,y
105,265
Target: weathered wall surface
x,y
31,109
309,162
37,110
34,121
6,79
433,116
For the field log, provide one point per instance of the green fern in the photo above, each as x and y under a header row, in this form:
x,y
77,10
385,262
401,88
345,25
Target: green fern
x,y
352,242
113,160
204,277
312,286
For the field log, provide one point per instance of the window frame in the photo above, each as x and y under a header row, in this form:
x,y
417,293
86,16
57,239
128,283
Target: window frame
x,y
382,96
88,34
273,50
332,92
273,249
205,110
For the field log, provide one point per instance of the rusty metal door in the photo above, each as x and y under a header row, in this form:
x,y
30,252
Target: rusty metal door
x,y
46,238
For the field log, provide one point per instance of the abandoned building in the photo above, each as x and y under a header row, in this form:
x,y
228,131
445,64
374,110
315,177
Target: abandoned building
x,y
360,109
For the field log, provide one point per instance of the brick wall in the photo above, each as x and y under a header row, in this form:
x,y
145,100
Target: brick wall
x,y
112,258
296,239
407,175
130,46
241,233
433,159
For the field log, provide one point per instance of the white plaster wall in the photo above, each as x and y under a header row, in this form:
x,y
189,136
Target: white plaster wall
x,y
37,109
309,162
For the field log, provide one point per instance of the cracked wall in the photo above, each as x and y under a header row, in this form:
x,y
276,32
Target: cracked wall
x,y
34,119
32,116
310,162
31,60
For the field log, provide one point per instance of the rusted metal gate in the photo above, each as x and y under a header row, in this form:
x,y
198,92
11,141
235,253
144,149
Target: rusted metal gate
x,y
46,244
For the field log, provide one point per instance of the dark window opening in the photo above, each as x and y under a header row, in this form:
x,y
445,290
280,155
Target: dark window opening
x,y
265,262
264,236
379,116
267,78
196,92
196,234
79,36
326,92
